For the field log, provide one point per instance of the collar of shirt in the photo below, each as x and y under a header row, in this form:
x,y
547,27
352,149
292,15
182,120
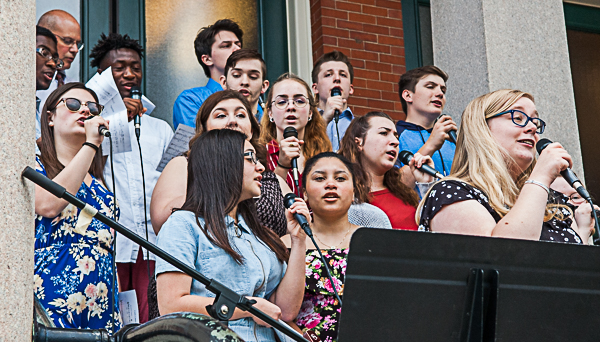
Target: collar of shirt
x,y
37,104
241,223
213,85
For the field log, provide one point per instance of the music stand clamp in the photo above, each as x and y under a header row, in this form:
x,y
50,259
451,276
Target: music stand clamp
x,y
476,324
226,299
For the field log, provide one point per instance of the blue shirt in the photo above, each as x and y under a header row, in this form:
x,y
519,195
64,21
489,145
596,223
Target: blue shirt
x,y
412,137
258,276
189,102
345,119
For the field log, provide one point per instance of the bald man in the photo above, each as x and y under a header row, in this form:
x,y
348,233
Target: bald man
x,y
68,35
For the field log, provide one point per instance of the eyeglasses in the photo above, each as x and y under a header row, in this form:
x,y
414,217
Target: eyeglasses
x,y
298,101
74,105
42,51
576,199
70,42
521,119
252,156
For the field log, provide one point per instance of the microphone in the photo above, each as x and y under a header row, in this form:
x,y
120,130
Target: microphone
x,y
406,156
452,133
103,131
292,132
567,173
136,94
336,92
288,200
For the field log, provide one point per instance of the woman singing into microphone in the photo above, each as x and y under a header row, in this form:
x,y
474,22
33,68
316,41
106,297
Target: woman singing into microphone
x,y
217,232
496,186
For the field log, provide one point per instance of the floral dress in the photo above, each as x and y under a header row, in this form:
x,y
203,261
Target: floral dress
x,y
320,310
73,263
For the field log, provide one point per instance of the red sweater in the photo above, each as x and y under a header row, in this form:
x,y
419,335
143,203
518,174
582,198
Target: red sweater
x,y
401,215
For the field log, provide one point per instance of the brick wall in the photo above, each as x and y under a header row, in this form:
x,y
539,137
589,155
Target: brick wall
x,y
370,33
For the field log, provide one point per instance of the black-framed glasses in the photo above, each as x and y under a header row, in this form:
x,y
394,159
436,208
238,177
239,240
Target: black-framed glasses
x,y
298,101
521,119
42,51
252,156
74,105
70,42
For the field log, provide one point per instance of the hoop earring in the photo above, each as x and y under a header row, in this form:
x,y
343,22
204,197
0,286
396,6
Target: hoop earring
x,y
271,119
309,118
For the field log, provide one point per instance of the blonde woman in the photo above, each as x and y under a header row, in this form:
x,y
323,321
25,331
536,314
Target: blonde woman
x,y
496,186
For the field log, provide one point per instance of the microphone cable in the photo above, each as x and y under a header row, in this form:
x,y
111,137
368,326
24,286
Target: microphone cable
x,y
336,119
137,135
114,242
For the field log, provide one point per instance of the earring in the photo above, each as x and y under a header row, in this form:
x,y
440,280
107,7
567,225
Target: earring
x,y
309,118
51,124
271,119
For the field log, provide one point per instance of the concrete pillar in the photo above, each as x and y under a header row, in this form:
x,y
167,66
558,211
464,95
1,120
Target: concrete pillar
x,y
17,122
486,45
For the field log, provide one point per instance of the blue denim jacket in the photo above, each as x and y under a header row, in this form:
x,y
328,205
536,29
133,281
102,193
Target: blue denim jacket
x,y
258,276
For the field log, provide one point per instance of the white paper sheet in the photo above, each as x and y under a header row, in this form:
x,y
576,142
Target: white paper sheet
x,y
114,110
179,144
129,307
148,105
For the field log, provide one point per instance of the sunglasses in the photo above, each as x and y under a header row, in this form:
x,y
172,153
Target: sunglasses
x,y
74,105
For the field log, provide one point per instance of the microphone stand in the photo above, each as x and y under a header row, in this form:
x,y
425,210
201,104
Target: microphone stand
x,y
226,300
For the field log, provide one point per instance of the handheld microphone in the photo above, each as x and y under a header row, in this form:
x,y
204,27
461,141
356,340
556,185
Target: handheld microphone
x,y
103,131
452,133
136,94
292,132
406,156
567,173
336,92
288,200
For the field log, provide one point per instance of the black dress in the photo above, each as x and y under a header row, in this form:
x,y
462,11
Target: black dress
x,y
451,191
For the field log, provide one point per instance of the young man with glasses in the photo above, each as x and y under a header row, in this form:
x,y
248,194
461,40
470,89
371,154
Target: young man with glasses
x,y
423,96
124,56
213,45
67,31
46,63
245,71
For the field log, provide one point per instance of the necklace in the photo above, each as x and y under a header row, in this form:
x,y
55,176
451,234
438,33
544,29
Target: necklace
x,y
339,243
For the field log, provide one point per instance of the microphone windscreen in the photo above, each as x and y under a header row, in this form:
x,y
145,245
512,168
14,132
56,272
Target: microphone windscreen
x,y
405,157
541,144
290,131
288,200
336,92
136,92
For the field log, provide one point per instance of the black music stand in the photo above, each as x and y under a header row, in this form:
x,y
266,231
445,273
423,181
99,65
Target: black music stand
x,y
415,286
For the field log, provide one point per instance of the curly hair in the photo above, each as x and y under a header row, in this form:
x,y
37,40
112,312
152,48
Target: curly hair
x,y
114,41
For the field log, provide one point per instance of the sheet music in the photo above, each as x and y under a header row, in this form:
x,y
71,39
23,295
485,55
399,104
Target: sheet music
x,y
114,110
129,307
179,144
148,105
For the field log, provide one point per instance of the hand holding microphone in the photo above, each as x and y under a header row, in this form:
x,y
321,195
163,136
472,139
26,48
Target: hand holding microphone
x,y
556,158
443,126
336,92
290,132
298,211
96,128
406,156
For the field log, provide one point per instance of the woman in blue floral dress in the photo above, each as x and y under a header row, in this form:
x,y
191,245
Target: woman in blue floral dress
x,y
73,257
331,184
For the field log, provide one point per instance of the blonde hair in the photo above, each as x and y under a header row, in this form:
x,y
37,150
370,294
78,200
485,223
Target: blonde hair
x,y
315,134
479,160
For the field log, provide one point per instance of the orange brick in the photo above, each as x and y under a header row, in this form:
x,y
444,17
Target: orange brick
x,y
349,25
390,59
363,36
348,6
378,85
326,21
396,32
357,63
368,74
390,96
367,93
397,23
358,101
385,105
328,3
378,11
396,115
379,66
387,40
376,29
328,12
384,76
397,50
328,48
360,111
396,14
330,31
399,69
365,55
359,82
388,4
328,40
377,48
362,18
366,2
351,44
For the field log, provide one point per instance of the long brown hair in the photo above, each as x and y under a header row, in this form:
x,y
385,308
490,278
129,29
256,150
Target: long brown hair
x,y
349,148
315,132
48,146
214,187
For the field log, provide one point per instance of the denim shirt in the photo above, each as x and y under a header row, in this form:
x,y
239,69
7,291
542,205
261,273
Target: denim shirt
x,y
258,276
346,118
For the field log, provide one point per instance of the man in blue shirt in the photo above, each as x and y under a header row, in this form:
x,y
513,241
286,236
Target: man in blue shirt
x,y
334,71
213,44
245,71
423,96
